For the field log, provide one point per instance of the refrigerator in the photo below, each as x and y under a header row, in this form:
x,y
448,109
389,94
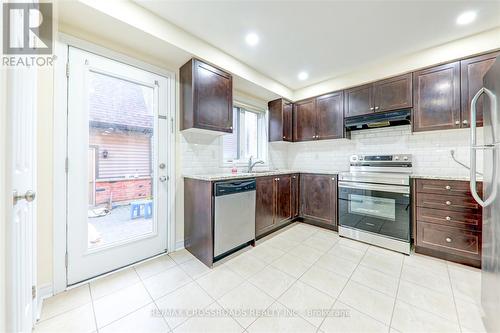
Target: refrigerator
x,y
490,274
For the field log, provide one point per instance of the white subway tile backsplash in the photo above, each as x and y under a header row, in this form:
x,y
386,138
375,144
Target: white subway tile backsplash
x,y
201,153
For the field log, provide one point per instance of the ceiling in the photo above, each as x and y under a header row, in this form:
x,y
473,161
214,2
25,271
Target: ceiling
x,y
324,38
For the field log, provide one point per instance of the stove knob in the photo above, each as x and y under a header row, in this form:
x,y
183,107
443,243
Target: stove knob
x,y
361,158
405,158
396,158
354,158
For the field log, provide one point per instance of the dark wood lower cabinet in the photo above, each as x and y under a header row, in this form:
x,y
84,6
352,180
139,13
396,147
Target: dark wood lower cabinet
x,y
318,199
264,205
295,195
274,203
448,221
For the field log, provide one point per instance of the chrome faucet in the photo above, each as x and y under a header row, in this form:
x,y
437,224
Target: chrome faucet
x,y
251,164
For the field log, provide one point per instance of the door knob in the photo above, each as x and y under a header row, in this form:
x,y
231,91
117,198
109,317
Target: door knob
x,y
163,179
29,196
448,240
448,218
448,187
448,202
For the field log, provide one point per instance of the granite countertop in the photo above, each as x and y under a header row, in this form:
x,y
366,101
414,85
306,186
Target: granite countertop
x,y
445,177
243,175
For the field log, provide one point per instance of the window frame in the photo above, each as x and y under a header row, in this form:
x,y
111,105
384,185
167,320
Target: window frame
x,y
262,140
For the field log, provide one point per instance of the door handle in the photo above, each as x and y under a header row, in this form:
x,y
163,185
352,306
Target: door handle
x,y
474,147
29,196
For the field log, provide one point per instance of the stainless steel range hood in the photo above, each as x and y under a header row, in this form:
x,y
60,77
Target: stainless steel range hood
x,y
377,120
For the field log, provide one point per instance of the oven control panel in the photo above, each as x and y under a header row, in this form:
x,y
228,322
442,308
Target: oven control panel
x,y
380,158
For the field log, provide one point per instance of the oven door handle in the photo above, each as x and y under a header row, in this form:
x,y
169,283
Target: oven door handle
x,y
376,187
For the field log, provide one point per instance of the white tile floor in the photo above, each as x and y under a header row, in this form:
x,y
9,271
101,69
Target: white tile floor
x,y
299,280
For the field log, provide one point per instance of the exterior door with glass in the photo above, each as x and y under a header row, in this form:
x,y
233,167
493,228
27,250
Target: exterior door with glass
x,y
117,165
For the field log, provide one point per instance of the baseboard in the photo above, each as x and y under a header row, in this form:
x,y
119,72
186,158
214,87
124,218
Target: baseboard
x,y
43,292
179,245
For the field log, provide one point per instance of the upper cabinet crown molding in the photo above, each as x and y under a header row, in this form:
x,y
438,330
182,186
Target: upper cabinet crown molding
x,y
206,97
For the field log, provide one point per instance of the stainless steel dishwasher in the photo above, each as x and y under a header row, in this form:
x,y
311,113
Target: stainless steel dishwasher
x,y
234,215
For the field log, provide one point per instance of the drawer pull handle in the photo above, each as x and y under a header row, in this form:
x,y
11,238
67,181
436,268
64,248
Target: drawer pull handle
x,y
448,218
448,187
448,240
448,202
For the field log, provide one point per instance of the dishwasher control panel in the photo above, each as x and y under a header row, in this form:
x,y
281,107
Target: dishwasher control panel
x,y
234,186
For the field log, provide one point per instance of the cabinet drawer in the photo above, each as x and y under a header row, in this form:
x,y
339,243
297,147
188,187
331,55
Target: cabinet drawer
x,y
447,202
468,219
447,187
450,240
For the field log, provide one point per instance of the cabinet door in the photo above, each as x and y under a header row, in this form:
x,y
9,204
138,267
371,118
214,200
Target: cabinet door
x,y
304,120
264,205
472,72
283,198
359,100
295,195
330,111
276,124
318,198
287,121
213,98
393,94
436,98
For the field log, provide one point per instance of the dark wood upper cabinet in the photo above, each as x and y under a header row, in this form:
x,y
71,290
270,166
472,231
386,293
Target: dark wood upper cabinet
x,y
264,205
393,94
330,115
385,95
436,98
280,120
318,198
304,120
359,101
471,77
206,97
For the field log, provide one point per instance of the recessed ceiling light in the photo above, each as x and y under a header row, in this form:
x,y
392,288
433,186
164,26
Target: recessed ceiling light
x,y
252,39
303,76
466,18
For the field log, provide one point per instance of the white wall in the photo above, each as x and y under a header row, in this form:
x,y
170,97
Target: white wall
x,y
430,150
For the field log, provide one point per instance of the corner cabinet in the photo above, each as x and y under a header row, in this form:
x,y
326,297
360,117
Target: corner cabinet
x,y
385,95
280,120
206,97
318,199
319,118
275,202
436,98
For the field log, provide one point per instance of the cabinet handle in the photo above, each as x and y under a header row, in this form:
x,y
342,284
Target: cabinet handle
x,y
448,202
230,127
371,109
284,137
294,177
457,122
465,122
333,178
448,187
448,240
448,218
376,108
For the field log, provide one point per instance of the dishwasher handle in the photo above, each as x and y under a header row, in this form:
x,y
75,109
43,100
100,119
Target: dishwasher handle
x,y
232,187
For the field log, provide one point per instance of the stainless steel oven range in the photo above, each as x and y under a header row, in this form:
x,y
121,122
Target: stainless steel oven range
x,y
374,201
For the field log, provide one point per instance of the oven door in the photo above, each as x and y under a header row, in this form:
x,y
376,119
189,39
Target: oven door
x,y
375,208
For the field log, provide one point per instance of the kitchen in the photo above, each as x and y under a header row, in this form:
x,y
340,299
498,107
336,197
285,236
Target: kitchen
x,y
207,166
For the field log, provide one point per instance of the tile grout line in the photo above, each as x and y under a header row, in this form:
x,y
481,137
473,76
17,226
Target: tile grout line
x,y
453,296
93,308
397,292
345,285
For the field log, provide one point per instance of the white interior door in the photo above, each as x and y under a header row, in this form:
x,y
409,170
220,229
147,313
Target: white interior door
x,y
21,105
120,111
